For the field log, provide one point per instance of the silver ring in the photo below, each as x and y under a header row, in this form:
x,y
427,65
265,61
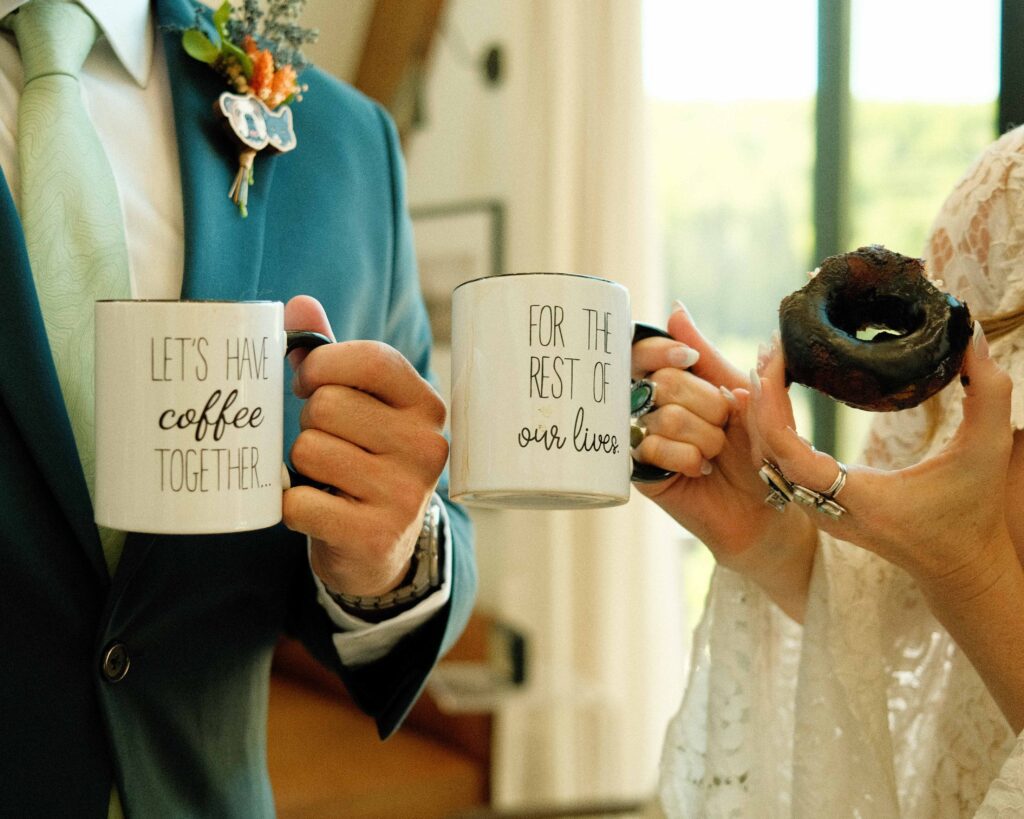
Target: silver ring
x,y
824,502
776,500
780,490
805,496
838,483
831,508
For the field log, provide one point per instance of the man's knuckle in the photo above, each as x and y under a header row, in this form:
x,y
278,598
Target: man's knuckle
x,y
320,406
435,451
434,406
305,448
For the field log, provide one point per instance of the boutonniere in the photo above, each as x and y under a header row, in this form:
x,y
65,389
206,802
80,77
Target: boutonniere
x,y
256,50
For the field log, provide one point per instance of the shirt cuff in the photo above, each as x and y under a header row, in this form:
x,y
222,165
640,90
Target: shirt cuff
x,y
358,641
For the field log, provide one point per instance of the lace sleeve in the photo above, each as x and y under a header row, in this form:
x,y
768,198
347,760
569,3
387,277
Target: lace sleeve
x,y
976,248
719,760
1005,798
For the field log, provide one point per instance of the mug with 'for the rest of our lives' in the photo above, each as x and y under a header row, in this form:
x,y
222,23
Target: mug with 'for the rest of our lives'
x,y
541,392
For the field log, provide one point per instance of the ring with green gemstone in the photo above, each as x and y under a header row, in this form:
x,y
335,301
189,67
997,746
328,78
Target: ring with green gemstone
x,y
642,395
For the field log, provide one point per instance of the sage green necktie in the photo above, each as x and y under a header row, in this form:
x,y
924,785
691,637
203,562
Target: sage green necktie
x,y
70,211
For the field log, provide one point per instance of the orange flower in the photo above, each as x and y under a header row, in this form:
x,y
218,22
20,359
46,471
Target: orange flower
x,y
283,85
273,87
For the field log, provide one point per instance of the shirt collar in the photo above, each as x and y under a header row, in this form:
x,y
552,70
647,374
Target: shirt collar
x,y
128,26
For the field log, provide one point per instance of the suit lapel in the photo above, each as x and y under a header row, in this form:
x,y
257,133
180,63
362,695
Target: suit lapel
x,y
223,251
29,386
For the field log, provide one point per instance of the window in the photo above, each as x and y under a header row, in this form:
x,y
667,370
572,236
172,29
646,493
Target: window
x,y
924,79
732,95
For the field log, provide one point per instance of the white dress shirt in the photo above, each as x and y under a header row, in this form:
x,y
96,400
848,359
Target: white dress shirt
x,y
125,78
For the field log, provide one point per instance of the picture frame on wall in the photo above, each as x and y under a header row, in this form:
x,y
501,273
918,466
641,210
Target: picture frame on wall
x,y
455,243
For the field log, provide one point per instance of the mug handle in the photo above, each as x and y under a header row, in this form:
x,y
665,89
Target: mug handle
x,y
303,340
647,473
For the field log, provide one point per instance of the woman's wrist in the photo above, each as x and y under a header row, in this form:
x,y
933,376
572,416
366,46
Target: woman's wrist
x,y
960,587
781,563
981,605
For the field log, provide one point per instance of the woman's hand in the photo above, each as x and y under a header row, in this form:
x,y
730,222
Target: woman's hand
x,y
943,520
697,430
934,519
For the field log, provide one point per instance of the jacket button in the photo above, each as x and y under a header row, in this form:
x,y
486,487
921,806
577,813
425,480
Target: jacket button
x,y
115,662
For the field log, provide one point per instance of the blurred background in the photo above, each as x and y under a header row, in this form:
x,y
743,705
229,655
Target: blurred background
x,y
711,152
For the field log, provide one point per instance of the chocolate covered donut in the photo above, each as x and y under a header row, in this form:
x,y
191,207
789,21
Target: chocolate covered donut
x,y
870,330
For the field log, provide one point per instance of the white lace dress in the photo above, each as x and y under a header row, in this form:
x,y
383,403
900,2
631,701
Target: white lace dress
x,y
869,709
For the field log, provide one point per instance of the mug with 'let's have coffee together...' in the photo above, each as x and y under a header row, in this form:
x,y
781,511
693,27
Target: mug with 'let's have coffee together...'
x,y
189,414
541,392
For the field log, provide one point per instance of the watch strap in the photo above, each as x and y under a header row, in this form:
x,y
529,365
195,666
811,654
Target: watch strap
x,y
423,578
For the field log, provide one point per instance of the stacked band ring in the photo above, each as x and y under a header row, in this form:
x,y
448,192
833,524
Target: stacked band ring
x,y
781,491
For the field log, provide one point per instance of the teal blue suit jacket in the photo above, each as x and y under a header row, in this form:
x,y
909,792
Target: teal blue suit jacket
x,y
183,734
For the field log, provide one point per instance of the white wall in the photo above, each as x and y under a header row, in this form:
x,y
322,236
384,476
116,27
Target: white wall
x,y
342,25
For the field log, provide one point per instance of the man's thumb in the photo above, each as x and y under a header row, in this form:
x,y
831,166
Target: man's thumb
x,y
305,313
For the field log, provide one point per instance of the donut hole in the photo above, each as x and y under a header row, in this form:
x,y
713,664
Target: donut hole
x,y
875,317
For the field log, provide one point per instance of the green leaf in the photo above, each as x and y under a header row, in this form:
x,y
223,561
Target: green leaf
x,y
199,46
220,19
244,59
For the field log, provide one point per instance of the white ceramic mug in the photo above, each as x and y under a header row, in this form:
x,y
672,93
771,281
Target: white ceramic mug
x,y
541,392
189,414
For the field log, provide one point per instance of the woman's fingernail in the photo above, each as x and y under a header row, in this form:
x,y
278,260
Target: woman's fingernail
x,y
679,307
980,342
776,340
706,468
728,395
683,356
755,384
764,355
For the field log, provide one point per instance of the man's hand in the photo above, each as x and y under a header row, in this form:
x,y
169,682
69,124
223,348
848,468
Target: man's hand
x,y
372,428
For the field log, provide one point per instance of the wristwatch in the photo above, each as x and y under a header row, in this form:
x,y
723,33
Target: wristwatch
x,y
423,578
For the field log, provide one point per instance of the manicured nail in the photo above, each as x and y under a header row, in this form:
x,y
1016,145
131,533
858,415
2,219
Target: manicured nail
x,y
683,356
728,395
706,468
762,355
755,384
679,307
980,342
776,340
